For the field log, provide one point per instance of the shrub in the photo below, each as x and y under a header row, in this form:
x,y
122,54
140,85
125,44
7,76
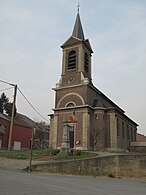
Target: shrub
x,y
111,175
77,152
55,151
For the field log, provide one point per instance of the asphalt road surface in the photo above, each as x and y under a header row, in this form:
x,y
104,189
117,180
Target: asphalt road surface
x,y
20,183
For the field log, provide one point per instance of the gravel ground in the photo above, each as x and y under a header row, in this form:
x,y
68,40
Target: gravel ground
x,y
14,164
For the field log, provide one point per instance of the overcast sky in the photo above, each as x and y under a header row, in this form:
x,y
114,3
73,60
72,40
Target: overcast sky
x,y
31,32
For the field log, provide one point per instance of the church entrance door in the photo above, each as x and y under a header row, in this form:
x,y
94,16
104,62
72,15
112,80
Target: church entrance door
x,y
71,137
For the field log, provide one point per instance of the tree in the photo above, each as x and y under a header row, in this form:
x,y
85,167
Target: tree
x,y
5,105
3,102
8,109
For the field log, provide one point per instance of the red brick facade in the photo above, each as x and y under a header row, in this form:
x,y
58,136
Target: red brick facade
x,y
22,132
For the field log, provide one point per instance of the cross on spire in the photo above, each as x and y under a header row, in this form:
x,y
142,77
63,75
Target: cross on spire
x,y
78,6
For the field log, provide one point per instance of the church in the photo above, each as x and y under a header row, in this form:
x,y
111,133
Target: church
x,y
98,123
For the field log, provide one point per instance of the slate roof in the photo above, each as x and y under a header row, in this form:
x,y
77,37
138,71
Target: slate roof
x,y
78,30
77,35
3,116
23,120
19,119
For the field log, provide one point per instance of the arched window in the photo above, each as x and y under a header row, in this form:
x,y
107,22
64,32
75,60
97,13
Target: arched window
x,y
86,61
71,60
70,104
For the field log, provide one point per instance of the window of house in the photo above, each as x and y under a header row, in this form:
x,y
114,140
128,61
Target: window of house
x,y
86,61
72,60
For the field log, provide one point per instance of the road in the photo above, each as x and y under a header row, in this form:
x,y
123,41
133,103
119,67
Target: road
x,y
22,183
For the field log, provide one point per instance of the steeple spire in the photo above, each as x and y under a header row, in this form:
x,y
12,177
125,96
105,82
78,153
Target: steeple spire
x,y
78,30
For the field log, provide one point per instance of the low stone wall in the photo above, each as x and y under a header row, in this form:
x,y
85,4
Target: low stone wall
x,y
116,166
138,146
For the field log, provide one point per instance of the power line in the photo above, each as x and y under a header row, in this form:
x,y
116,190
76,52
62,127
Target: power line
x,y
24,98
6,89
31,105
7,82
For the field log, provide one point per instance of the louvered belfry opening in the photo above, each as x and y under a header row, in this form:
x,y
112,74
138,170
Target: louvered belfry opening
x,y
72,60
86,62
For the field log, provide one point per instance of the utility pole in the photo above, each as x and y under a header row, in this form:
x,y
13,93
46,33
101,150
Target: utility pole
x,y
12,118
31,148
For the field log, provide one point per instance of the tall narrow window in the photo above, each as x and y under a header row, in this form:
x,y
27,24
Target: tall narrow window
x,y
72,60
118,130
123,130
86,65
133,134
128,133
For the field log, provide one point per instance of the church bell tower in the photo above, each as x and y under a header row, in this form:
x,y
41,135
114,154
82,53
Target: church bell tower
x,y
76,62
71,91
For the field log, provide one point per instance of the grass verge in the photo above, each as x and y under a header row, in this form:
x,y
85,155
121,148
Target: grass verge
x,y
36,154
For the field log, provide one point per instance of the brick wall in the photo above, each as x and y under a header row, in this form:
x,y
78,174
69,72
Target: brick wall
x,y
140,137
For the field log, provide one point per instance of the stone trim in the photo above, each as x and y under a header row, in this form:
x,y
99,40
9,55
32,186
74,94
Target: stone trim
x,y
53,132
86,125
113,130
69,94
137,144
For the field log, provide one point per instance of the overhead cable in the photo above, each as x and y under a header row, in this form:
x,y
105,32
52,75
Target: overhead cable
x,y
7,82
31,105
23,96
6,89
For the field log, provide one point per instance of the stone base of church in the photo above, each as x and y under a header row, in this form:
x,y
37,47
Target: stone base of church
x,y
119,150
116,150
